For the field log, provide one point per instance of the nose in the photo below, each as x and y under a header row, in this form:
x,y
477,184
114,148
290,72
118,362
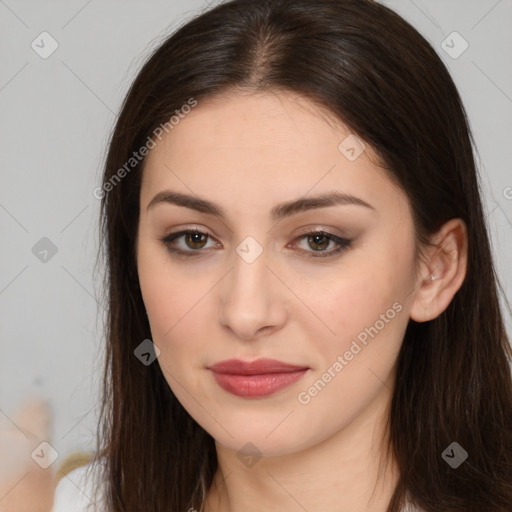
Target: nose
x,y
252,299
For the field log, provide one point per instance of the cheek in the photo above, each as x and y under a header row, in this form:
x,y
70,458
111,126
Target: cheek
x,y
353,364
366,306
176,304
358,316
159,284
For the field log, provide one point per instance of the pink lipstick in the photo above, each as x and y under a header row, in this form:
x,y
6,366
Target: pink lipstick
x,y
258,378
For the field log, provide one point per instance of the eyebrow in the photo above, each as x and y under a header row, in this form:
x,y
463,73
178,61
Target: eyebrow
x,y
279,212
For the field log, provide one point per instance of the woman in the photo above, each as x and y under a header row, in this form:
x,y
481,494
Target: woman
x,y
303,307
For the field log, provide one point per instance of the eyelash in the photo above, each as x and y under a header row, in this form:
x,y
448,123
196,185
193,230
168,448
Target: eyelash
x,y
343,243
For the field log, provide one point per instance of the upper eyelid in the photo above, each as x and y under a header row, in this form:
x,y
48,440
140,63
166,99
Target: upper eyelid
x,y
201,231
316,229
341,241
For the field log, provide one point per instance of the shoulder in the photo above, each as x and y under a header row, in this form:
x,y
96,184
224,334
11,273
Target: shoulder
x,y
76,491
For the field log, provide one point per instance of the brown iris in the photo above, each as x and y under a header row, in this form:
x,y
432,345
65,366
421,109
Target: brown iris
x,y
313,240
194,241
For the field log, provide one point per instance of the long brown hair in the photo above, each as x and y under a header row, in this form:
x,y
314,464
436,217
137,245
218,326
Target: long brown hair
x,y
377,74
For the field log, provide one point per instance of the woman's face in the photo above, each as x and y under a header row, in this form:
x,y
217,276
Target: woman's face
x,y
253,284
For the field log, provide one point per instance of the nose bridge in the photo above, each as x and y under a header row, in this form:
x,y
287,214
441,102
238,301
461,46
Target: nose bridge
x,y
250,269
250,300
248,281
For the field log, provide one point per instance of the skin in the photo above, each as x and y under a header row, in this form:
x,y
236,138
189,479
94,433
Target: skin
x,y
24,485
248,152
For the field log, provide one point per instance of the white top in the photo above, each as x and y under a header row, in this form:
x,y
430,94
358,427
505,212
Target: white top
x,y
74,493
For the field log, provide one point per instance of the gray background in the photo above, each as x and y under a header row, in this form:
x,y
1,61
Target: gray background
x,y
57,114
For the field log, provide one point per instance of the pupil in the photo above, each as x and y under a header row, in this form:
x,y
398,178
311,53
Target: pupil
x,y
195,238
315,241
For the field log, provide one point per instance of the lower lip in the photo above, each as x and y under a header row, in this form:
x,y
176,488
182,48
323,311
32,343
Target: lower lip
x,y
257,385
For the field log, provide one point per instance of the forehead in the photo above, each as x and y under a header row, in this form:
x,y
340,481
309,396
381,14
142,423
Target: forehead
x,y
271,145
272,122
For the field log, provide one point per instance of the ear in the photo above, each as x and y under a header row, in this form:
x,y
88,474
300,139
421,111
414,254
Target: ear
x,y
447,262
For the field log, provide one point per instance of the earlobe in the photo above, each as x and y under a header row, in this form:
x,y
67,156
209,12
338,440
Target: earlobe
x,y
447,264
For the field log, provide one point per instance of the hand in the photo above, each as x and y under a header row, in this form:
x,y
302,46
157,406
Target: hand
x,y
24,485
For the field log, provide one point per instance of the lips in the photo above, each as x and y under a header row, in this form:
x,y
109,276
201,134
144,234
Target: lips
x,y
258,367
256,379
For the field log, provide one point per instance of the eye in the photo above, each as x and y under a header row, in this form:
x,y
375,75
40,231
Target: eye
x,y
320,240
194,240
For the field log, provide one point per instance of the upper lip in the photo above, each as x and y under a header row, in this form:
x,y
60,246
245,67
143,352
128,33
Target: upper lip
x,y
258,367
